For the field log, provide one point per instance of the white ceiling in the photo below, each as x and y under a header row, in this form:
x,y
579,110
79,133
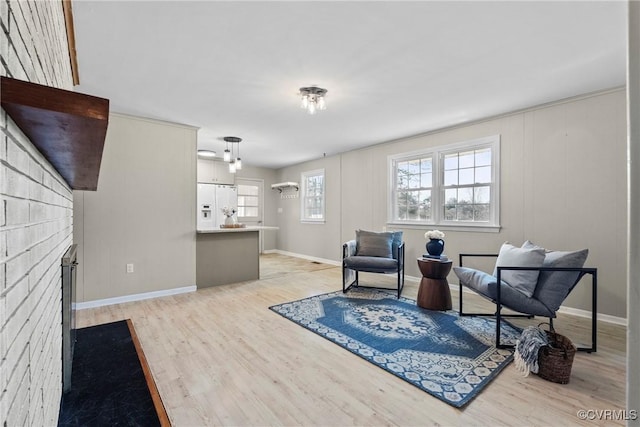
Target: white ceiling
x,y
393,69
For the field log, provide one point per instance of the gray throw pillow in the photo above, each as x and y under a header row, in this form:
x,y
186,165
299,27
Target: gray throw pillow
x,y
524,281
369,243
554,286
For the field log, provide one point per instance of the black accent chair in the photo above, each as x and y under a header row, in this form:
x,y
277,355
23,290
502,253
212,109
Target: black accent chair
x,y
556,280
373,253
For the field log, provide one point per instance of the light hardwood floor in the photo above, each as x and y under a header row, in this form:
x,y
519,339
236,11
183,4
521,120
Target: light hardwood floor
x,y
221,357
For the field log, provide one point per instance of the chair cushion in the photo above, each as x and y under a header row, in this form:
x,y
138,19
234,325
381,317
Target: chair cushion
x,y
521,280
371,264
554,286
486,284
369,243
395,243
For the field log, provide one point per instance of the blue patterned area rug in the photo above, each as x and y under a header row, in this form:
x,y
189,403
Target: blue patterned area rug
x,y
448,356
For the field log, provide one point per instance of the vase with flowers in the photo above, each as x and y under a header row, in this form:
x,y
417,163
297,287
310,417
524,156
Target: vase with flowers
x,y
229,212
435,245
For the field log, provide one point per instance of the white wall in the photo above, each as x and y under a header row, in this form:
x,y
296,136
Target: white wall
x,y
563,186
143,212
318,240
35,225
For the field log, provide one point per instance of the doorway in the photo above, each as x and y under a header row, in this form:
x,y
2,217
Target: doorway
x,y
251,203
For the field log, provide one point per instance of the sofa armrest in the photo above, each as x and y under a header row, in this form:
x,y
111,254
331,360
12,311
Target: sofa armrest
x,y
348,249
399,255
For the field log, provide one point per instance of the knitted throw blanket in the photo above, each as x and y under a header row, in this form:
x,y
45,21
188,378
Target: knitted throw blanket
x,y
526,353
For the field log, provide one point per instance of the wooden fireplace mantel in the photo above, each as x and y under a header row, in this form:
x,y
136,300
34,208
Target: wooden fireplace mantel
x,y
68,128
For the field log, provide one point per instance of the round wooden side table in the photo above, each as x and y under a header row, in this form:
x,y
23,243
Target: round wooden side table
x,y
434,292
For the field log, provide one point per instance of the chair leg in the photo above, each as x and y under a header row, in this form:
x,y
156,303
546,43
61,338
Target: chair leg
x,y
498,318
344,278
400,282
346,287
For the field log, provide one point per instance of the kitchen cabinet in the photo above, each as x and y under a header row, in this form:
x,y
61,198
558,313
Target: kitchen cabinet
x,y
214,172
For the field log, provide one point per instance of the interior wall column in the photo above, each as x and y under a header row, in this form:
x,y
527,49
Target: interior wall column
x,y
633,276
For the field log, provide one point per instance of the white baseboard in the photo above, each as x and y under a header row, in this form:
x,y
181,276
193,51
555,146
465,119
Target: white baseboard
x,y
134,297
586,313
310,258
567,310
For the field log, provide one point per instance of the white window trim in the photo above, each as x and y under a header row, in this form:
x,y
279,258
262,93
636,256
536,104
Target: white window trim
x,y
437,193
303,192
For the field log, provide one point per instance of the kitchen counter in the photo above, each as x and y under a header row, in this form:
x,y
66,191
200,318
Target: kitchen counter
x,y
237,230
228,255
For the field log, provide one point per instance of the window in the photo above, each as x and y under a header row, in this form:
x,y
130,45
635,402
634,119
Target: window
x,y
454,185
249,202
312,197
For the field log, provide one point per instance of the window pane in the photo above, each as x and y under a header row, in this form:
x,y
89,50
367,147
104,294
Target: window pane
x,y
414,166
414,207
465,195
466,176
483,157
451,196
312,197
481,213
402,175
241,211
466,159
424,197
483,174
425,204
252,211
451,161
248,190
248,201
450,212
414,181
426,166
482,195
402,205
465,212
451,177
426,180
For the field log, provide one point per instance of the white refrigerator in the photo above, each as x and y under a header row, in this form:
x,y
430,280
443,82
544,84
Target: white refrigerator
x,y
211,199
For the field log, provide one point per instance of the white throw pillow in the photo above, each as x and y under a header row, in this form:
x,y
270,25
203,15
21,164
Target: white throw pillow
x,y
524,281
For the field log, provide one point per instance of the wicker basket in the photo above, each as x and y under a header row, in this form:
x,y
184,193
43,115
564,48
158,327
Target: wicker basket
x,y
555,360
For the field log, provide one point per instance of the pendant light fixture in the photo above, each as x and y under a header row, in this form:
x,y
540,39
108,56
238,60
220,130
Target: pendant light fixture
x,y
238,159
234,163
227,154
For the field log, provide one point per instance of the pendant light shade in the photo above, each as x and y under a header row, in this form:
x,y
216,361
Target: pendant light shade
x,y
235,163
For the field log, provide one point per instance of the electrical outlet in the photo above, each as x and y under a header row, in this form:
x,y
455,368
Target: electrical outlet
x,y
129,268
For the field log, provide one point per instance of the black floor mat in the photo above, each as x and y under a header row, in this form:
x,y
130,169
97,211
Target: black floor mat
x,y
108,386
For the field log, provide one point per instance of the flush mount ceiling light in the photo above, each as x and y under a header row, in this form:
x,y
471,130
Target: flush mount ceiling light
x,y
235,163
207,154
312,99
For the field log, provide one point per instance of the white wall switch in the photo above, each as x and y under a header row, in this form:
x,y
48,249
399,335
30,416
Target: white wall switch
x,y
129,268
